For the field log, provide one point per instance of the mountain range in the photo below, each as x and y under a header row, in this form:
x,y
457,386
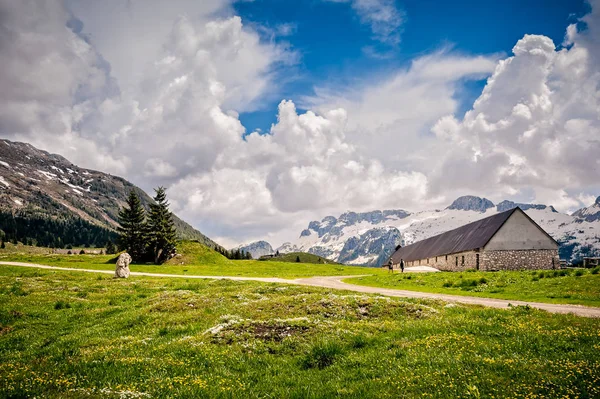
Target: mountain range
x,y
369,238
46,199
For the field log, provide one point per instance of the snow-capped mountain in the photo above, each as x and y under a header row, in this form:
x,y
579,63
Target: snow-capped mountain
x,y
369,238
591,213
257,249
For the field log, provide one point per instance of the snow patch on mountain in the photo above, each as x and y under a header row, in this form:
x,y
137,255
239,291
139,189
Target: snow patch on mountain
x,y
590,213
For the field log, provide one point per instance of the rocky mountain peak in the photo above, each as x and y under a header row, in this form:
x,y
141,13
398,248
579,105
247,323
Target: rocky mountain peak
x,y
257,249
506,205
590,213
37,185
471,203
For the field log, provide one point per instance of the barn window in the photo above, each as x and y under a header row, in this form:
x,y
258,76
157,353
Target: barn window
x,y
436,259
427,260
446,258
457,261
463,260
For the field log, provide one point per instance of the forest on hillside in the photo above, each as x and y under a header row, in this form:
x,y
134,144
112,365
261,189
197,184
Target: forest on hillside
x,y
52,232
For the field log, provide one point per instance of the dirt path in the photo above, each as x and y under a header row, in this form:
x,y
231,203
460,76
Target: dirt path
x,y
334,282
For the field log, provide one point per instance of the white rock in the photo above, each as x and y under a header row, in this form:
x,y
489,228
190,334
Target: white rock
x,y
122,270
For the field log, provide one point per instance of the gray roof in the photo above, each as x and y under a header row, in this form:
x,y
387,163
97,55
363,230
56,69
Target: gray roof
x,y
465,238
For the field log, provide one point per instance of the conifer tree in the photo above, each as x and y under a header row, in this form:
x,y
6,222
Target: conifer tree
x,y
132,228
110,248
161,229
297,259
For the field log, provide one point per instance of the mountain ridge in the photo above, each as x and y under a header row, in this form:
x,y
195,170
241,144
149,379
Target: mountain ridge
x,y
39,187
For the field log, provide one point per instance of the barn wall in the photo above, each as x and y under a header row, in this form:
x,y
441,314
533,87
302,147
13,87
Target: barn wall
x,y
450,265
532,259
519,233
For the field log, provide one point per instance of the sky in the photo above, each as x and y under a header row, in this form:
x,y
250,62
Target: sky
x,y
260,116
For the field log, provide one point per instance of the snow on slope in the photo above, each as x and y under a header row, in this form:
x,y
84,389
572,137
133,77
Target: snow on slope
x,y
369,238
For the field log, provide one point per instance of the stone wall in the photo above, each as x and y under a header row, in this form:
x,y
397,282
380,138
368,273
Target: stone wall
x,y
529,259
451,263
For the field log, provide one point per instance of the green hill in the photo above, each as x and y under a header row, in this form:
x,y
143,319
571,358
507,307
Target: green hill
x,y
302,257
196,253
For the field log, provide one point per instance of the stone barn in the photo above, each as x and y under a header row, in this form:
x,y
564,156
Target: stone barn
x,y
509,240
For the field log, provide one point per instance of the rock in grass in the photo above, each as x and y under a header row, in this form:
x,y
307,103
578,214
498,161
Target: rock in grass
x,y
122,270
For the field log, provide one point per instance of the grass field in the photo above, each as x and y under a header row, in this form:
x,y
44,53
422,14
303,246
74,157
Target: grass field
x,y
554,286
194,259
75,335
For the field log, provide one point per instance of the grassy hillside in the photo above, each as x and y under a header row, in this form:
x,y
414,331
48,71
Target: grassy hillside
x,y
554,286
196,253
304,258
79,335
195,259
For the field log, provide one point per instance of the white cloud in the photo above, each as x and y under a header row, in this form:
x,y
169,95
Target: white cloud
x,y
535,126
384,18
170,116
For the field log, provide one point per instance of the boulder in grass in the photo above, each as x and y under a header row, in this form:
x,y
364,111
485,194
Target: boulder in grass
x,y
122,270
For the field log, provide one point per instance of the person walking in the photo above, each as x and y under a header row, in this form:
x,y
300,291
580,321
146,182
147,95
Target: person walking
x,y
402,265
391,266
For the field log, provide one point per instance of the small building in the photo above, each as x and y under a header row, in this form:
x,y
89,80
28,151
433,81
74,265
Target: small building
x,y
509,240
591,262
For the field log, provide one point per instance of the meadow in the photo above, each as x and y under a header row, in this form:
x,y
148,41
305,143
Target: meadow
x,y
80,335
193,259
572,286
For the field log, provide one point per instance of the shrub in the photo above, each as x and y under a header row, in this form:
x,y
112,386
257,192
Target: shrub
x,y
359,341
595,270
467,283
163,331
482,280
82,252
62,305
322,355
541,275
535,278
447,284
579,273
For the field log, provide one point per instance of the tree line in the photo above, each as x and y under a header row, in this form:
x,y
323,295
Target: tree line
x,y
51,231
234,253
147,236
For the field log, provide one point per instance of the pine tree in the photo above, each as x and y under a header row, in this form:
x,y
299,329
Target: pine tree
x,y
110,248
132,229
161,229
297,259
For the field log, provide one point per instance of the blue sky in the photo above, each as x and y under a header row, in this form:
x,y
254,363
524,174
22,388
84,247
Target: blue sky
x,y
330,38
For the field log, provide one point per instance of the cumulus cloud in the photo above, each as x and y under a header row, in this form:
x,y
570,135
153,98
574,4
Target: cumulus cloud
x,y
171,116
535,125
390,119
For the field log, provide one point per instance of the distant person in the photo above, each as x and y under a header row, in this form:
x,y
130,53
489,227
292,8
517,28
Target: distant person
x,y
402,265
391,266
